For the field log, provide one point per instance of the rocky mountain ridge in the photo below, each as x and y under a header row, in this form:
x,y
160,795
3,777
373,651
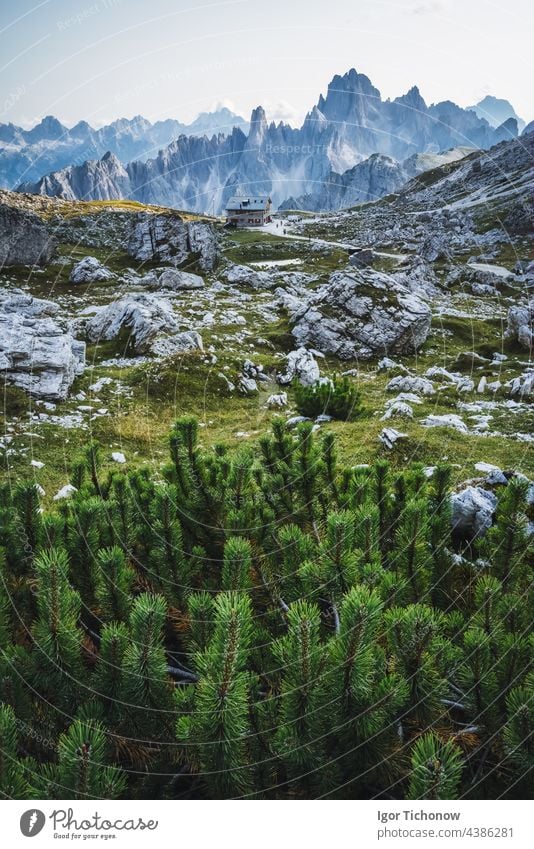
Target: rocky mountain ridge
x,y
26,155
347,126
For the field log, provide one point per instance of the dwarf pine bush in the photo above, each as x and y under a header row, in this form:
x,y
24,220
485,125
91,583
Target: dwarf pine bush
x,y
263,623
336,397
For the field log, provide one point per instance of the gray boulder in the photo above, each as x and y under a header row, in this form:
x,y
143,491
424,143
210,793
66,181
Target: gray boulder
x,y
24,239
203,241
472,511
411,383
244,275
152,326
166,237
90,270
36,353
362,314
173,278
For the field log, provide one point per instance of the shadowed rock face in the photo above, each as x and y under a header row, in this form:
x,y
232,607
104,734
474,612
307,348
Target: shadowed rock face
x,y
24,239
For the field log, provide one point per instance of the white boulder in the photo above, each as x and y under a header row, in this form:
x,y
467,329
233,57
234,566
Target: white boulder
x,y
90,270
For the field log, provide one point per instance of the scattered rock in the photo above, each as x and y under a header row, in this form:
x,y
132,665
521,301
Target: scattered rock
x,y
408,383
66,491
244,275
90,270
362,258
520,325
173,278
36,353
449,420
494,475
118,457
146,317
398,408
277,401
390,436
166,237
386,364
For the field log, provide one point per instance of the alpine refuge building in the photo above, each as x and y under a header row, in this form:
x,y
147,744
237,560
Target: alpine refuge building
x,y
242,211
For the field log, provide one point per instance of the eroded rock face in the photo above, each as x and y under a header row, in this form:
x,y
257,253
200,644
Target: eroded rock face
x,y
24,239
362,314
472,511
36,354
150,323
520,326
168,238
90,270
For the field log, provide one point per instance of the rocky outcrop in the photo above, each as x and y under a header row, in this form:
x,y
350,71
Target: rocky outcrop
x,y
362,314
24,239
520,326
90,270
167,238
36,353
149,322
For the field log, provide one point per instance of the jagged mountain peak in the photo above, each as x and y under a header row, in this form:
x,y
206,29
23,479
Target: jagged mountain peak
x,y
412,99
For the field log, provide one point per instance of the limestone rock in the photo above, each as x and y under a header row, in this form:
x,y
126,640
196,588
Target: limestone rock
x,y
166,237
36,353
90,270
409,383
390,436
362,258
150,320
173,278
362,314
448,420
301,365
243,274
277,401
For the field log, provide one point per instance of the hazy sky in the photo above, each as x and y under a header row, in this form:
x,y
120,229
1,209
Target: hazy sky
x,y
103,59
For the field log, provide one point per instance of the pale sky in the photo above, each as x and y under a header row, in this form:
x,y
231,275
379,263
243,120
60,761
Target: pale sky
x,y
103,59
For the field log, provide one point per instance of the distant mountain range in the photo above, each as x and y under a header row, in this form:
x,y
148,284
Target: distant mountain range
x,y
26,155
496,111
352,146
